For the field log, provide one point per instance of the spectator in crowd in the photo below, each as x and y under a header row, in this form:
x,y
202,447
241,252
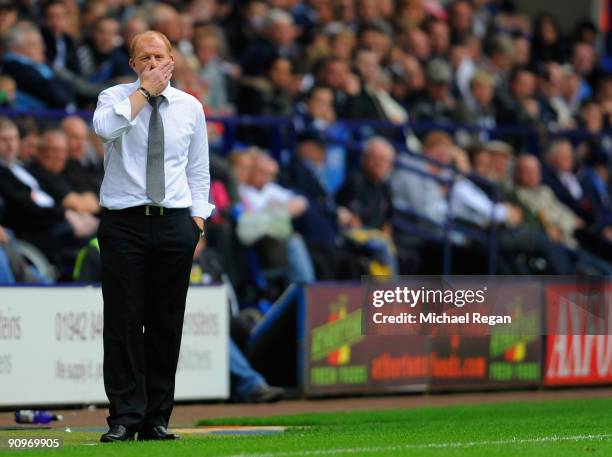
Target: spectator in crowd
x,y
548,43
374,101
95,55
335,74
522,50
221,225
499,58
121,55
518,105
370,13
555,112
571,93
558,174
92,11
321,223
410,81
416,43
366,192
342,45
367,195
472,204
186,78
465,60
243,24
269,95
317,111
584,62
29,144
439,36
478,110
83,170
376,40
214,72
603,95
559,221
24,60
419,192
48,168
316,116
460,17
8,16
266,220
596,138
276,39
437,104
30,211
165,19
596,185
60,49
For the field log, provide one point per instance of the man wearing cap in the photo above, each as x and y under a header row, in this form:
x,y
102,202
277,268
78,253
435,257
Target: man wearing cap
x,y
154,198
438,104
502,157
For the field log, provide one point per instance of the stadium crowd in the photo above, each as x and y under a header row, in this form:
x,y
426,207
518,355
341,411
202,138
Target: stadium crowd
x,y
325,206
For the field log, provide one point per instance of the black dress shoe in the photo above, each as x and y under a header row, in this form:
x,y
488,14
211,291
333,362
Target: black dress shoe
x,y
156,432
117,433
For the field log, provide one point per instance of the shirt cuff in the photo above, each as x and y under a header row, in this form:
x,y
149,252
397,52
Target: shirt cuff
x,y
124,109
202,209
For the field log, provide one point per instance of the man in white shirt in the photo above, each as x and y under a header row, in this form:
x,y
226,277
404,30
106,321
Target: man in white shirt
x,y
155,199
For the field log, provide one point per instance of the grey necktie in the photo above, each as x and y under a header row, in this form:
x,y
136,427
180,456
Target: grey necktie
x,y
156,186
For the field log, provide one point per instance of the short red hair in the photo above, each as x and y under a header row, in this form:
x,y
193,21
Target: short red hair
x,y
149,34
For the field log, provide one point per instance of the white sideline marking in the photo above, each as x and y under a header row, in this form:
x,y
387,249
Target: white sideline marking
x,y
375,449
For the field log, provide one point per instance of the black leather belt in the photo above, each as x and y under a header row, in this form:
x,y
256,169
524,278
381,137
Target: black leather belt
x,y
147,210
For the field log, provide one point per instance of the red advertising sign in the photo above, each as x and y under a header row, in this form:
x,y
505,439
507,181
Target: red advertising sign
x,y
573,356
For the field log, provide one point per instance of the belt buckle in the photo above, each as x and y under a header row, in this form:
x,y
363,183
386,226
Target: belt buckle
x,y
148,210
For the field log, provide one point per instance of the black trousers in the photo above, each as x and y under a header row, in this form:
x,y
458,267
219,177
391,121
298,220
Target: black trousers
x,y
146,263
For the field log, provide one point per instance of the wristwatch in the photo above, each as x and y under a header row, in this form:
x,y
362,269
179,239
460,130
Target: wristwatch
x,y
144,92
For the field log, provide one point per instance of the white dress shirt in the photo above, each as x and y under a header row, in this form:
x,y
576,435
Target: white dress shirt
x,y
186,160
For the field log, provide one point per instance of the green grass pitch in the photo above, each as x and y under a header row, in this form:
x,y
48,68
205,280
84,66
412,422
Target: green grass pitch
x,y
548,428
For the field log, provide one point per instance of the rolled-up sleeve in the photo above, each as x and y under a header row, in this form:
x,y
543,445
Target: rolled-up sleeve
x,y
112,117
198,172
